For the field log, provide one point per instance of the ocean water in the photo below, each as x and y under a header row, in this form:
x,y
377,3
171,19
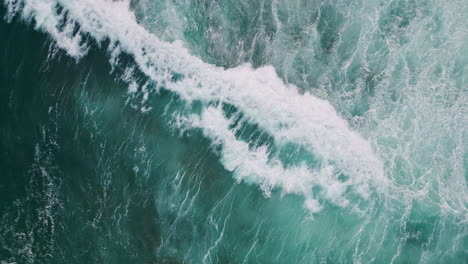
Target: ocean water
x,y
221,131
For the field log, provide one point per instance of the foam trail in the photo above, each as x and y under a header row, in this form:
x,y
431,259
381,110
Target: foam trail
x,y
278,108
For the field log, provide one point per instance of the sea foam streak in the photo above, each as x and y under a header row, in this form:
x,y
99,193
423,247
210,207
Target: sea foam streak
x,y
263,98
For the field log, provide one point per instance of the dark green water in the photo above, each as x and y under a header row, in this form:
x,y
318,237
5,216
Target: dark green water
x,y
119,145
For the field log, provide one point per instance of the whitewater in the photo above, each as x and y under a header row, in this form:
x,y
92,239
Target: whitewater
x,y
286,114
289,140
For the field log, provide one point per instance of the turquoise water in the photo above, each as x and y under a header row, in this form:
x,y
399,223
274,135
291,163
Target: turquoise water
x,y
233,131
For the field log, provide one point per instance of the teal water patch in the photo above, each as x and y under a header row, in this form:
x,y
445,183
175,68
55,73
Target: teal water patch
x,y
113,162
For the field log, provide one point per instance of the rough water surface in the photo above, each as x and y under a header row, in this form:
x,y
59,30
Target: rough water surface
x,y
264,131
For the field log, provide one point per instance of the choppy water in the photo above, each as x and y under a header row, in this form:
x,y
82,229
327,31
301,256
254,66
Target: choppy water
x,y
266,131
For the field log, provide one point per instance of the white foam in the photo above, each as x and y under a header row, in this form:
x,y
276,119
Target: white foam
x,y
264,99
255,166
